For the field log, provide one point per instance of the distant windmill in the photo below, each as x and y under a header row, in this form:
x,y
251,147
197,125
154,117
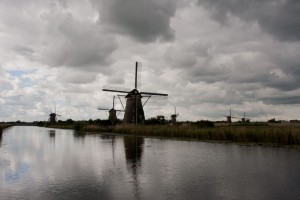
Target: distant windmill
x,y
244,119
134,112
53,118
229,117
174,116
112,113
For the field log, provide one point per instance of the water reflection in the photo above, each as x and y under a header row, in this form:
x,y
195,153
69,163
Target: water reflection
x,y
133,153
52,136
116,167
52,133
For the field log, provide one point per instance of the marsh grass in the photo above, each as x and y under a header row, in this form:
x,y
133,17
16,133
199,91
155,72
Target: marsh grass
x,y
278,135
265,134
95,128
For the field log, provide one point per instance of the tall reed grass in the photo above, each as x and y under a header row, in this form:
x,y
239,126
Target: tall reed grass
x,y
279,135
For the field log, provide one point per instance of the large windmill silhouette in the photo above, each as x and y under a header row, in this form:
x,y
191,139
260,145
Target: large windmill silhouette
x,y
134,112
112,117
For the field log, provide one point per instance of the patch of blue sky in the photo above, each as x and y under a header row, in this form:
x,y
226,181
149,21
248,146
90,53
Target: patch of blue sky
x,y
15,175
26,82
19,73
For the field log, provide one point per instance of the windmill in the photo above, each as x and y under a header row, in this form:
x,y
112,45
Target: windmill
x,y
229,117
134,112
53,118
112,117
244,119
174,116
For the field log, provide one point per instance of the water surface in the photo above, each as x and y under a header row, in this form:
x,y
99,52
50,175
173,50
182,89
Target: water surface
x,y
41,163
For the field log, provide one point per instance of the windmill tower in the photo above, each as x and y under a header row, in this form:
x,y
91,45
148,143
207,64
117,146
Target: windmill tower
x,y
174,116
53,117
134,111
112,117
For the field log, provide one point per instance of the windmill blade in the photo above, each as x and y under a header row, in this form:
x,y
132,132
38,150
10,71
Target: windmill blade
x,y
108,90
114,102
138,75
152,93
121,100
103,109
136,69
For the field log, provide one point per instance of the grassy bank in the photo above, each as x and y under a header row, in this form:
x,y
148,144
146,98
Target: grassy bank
x,y
274,135
4,126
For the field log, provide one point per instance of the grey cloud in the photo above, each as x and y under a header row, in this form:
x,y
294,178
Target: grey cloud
x,y
280,18
55,35
282,100
76,76
74,43
144,20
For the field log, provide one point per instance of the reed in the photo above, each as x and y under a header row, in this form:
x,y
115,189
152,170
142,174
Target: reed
x,y
278,135
95,128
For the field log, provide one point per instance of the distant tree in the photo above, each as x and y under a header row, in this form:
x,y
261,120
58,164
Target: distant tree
x,y
69,121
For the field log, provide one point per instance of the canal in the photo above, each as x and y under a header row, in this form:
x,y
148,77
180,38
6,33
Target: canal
x,y
41,163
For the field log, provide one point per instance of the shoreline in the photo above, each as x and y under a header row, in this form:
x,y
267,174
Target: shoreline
x,y
3,127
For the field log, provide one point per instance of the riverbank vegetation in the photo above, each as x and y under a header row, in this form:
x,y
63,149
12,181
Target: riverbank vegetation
x,y
278,135
4,126
254,132
260,133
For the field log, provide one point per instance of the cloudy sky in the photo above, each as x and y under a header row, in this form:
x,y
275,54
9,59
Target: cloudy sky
x,y
208,55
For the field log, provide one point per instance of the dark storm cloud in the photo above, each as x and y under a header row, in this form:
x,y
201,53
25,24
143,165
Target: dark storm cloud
x,y
280,18
144,20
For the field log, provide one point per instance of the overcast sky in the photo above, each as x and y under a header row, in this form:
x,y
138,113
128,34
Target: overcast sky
x,y
208,55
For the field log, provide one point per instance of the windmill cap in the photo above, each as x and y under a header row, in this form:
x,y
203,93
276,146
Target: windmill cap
x,y
133,92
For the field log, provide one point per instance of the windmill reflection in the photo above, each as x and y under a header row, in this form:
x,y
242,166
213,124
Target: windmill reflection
x,y
52,136
111,138
133,153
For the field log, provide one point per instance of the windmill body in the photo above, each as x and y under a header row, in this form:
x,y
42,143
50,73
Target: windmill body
x,y
244,119
52,118
112,117
229,117
134,111
174,117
